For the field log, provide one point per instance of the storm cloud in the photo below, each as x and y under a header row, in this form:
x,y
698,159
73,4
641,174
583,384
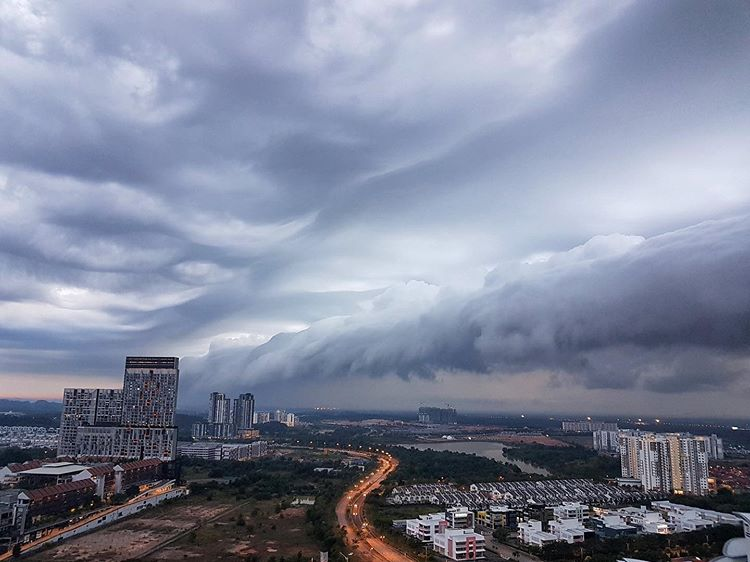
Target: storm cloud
x,y
670,313
419,195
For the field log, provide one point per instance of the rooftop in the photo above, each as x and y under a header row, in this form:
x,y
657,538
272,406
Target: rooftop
x,y
55,469
135,465
41,494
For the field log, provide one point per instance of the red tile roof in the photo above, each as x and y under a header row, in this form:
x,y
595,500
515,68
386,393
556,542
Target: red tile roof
x,y
41,494
137,465
101,470
28,465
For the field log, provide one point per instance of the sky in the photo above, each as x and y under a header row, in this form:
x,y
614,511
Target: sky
x,y
524,206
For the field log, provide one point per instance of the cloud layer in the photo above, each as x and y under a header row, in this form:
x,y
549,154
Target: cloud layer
x,y
669,314
182,177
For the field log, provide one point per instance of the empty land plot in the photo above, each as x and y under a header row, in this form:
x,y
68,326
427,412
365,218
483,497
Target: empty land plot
x,y
252,530
128,539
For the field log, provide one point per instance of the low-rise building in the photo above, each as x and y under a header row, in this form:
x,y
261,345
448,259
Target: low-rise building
x,y
685,518
8,501
223,451
459,518
137,472
10,475
530,532
610,526
497,517
459,544
103,476
425,527
49,474
570,531
644,520
571,510
55,499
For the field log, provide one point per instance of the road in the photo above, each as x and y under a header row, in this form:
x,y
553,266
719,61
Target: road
x,y
363,540
508,552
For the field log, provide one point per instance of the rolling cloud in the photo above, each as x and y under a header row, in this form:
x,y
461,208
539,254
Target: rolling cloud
x,y
618,311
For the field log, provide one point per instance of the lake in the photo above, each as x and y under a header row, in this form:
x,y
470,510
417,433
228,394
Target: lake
x,y
489,449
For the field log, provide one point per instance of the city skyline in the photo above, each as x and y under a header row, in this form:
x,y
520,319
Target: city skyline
x,y
539,208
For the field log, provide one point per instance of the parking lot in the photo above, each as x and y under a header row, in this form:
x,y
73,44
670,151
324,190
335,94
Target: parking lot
x,y
518,494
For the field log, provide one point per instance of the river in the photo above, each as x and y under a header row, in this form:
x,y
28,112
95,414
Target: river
x,y
489,449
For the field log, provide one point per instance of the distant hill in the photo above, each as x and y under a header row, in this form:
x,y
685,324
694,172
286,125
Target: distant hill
x,y
30,407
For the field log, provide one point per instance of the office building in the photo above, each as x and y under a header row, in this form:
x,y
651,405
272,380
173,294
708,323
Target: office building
x,y
135,422
665,462
439,416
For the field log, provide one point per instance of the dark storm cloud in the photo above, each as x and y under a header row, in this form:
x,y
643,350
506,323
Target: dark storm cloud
x,y
615,312
182,176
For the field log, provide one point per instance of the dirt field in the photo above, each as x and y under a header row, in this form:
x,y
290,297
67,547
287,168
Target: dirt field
x,y
128,539
263,533
525,439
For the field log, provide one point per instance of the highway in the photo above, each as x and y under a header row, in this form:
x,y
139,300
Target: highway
x,y
362,539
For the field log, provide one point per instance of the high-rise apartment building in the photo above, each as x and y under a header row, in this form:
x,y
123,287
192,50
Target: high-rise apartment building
x,y
226,418
244,408
137,421
86,407
665,462
150,391
714,446
219,408
261,417
629,443
606,441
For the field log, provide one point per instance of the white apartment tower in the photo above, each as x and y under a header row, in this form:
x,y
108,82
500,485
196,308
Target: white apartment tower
x,y
665,462
219,408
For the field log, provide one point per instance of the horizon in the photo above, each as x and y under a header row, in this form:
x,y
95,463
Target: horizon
x,y
551,416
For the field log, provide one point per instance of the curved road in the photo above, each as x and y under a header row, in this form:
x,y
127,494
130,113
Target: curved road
x,y
363,540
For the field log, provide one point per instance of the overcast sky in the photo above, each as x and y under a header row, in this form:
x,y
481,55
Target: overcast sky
x,y
512,206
